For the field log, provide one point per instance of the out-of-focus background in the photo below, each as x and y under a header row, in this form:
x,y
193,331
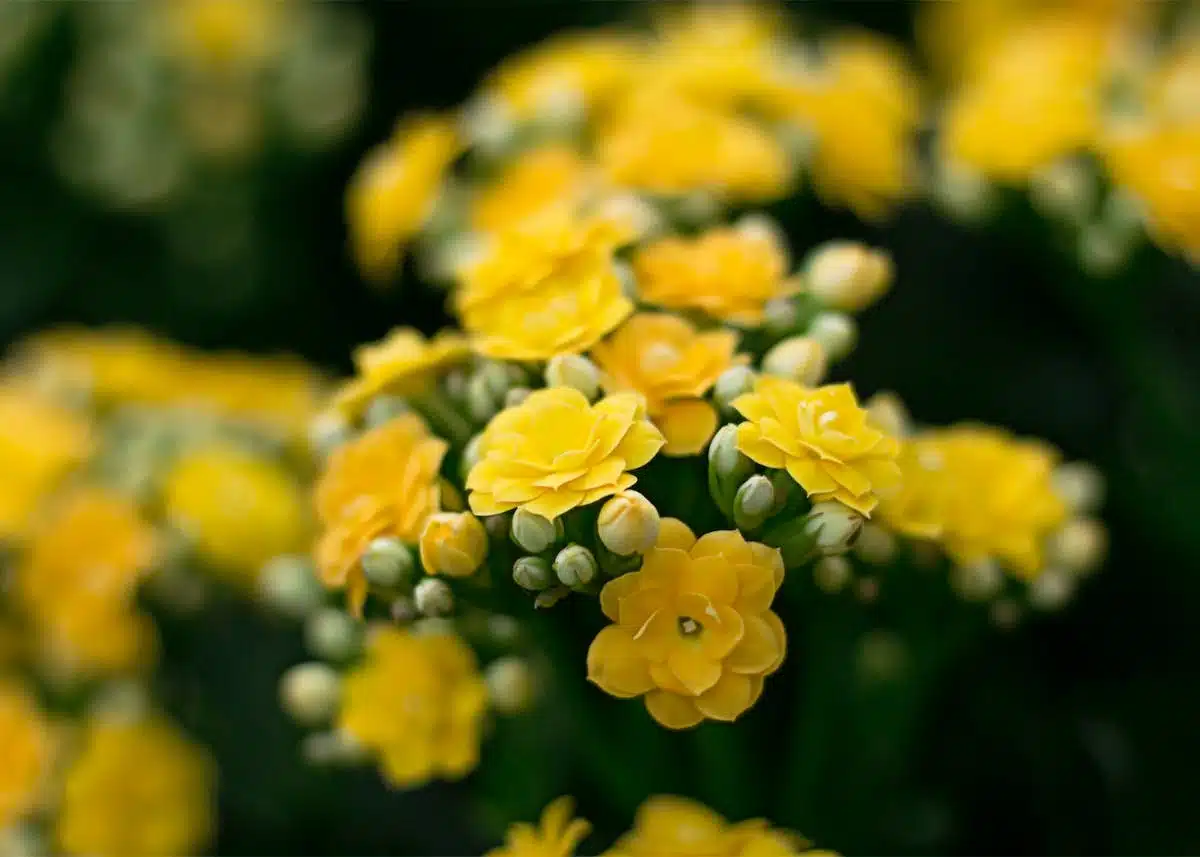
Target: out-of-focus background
x,y
1075,733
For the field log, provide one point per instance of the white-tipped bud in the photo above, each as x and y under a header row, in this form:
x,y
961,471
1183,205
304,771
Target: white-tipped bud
x,y
962,192
22,840
332,635
310,693
471,455
728,468
383,409
532,533
1104,251
628,524
762,227
402,610
575,566
433,597
1064,190
287,585
388,563
1079,546
697,208
733,382
1051,589
978,581
753,503
836,332
336,748
832,573
631,210
875,545
1080,485
327,431
533,573
833,526
516,396
481,399
847,276
503,630
887,413
123,701
574,371
780,316
510,684
797,358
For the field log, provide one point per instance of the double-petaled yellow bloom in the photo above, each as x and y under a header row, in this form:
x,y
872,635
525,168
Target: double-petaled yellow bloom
x,y
556,451
918,508
729,274
417,703
822,438
27,748
404,363
557,834
693,629
547,179
673,366
454,544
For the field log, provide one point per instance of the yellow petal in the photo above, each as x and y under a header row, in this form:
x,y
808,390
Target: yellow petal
x,y
554,503
811,476
727,699
759,649
694,669
722,633
640,444
752,444
674,533
615,665
672,710
687,425
614,591
711,576
728,544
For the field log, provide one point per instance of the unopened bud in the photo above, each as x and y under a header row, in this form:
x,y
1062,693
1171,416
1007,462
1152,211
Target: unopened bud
x,y
516,396
1079,546
333,748
836,332
962,192
510,684
1080,485
433,597
1064,190
753,503
575,566
832,573
733,382
310,693
628,524
387,563
847,276
1051,589
482,403
23,840
780,316
384,409
328,431
833,526
532,533
287,584
332,635
887,413
454,544
875,545
533,573
798,358
574,371
977,581
402,610
471,455
728,468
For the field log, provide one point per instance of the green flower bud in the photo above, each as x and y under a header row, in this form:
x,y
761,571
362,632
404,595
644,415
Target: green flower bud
x,y
433,597
733,382
532,533
332,635
1005,614
515,396
1064,190
310,693
628,524
962,192
727,468
575,566
575,371
482,403
383,409
470,456
780,316
794,540
875,545
753,503
510,684
287,584
1079,546
328,431
833,526
1080,485
336,748
832,573
836,332
532,573
978,581
846,275
798,358
1051,589
388,563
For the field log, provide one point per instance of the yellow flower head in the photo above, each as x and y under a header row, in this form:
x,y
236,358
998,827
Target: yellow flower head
x,y
693,628
417,702
549,178
27,748
673,366
403,363
240,509
139,789
556,451
220,34
382,483
670,826
919,507
728,273
556,835
393,193
454,544
822,437
545,287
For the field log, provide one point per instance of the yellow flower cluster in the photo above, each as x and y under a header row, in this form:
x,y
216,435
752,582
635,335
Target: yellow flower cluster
x,y
405,363
27,748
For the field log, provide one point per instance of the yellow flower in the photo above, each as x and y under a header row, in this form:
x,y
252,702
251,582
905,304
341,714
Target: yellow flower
x,y
27,748
730,274
556,835
382,483
139,789
240,509
673,366
404,363
223,33
918,508
40,443
822,437
670,826
556,451
417,702
545,287
693,630
544,179
393,193
454,544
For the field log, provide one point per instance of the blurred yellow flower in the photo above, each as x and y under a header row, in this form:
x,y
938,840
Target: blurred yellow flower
x,y
27,748
919,506
223,34
556,835
454,544
417,703
137,789
239,508
670,826
822,437
382,483
404,363
544,179
693,629
394,190
728,273
673,366
556,451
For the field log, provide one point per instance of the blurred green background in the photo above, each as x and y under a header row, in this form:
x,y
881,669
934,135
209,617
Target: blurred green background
x,y
1075,733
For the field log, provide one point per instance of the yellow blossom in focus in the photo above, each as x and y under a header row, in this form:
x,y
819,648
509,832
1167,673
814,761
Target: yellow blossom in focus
x,y
136,789
693,629
382,483
417,703
223,33
454,544
26,746
547,178
240,509
670,826
822,437
403,363
673,366
394,190
728,273
556,835
556,451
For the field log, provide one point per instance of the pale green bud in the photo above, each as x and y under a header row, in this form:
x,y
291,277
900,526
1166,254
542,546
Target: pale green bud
x,y
847,276
1079,546
832,573
836,332
327,431
887,413
402,610
123,701
962,192
23,840
310,693
762,227
287,585
797,358
733,382
1051,589
1080,485
628,524
532,533
575,566
575,371
875,545
516,396
482,403
471,455
697,208
510,684
433,597
796,544
833,526
753,503
532,573
978,581
1064,190
780,316
332,635
335,748
727,468
384,409
388,563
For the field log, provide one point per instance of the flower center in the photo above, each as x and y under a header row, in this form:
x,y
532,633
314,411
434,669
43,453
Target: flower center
x,y
689,627
659,357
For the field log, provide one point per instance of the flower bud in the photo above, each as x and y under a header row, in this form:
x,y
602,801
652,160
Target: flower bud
x,y
836,332
327,431
287,584
977,581
575,371
433,597
1064,190
310,693
832,573
332,635
733,382
454,544
628,524
780,316
798,358
875,545
532,533
833,526
471,455
532,573
515,396
1051,589
383,409
753,503
1079,546
510,684
727,468
791,536
482,403
575,566
402,610
887,413
1080,485
388,563
332,748
847,276
962,192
